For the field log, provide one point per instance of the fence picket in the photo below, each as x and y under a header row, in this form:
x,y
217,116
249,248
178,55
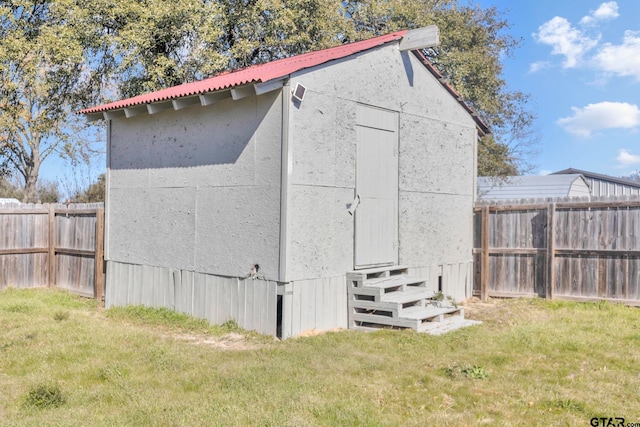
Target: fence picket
x,y
53,245
586,249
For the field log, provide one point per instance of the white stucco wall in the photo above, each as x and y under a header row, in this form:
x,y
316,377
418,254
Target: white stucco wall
x,y
321,184
436,191
436,163
198,189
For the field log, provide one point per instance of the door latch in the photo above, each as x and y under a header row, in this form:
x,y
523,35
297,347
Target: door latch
x,y
351,208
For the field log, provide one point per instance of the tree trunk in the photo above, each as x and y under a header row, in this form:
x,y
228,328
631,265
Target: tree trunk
x,y
30,182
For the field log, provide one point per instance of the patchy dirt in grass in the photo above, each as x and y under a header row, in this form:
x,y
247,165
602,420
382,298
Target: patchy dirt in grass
x,y
230,341
474,308
237,341
475,305
314,332
504,312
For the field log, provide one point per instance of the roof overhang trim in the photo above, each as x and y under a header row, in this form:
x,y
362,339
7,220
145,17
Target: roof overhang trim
x,y
263,77
260,79
204,99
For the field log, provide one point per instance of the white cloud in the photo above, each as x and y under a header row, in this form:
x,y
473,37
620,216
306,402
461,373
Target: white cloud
x,y
565,40
604,115
534,67
544,172
625,158
605,11
624,59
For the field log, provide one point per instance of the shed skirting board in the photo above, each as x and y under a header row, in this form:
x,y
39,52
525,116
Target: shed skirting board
x,y
252,304
319,304
315,304
457,278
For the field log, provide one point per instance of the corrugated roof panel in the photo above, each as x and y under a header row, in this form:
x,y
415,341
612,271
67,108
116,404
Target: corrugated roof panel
x,y
600,177
257,73
530,187
275,70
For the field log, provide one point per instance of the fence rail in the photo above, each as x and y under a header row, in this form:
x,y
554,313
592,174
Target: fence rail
x,y
53,245
566,249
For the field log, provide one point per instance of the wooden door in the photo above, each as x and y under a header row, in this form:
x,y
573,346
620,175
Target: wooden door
x,y
376,217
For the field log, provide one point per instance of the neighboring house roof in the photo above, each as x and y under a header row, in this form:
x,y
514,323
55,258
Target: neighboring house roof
x,y
598,176
275,70
531,187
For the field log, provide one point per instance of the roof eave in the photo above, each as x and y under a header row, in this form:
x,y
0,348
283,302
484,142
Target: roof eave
x,y
257,74
263,78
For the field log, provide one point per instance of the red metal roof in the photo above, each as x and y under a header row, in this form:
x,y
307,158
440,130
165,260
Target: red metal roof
x,y
278,69
254,74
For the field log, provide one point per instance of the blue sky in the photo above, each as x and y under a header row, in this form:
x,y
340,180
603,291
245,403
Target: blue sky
x,y
580,62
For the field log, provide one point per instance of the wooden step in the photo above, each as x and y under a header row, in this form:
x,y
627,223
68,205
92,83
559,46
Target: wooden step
x,y
418,312
392,302
378,272
421,324
431,313
387,297
394,310
380,287
408,295
375,319
439,328
394,281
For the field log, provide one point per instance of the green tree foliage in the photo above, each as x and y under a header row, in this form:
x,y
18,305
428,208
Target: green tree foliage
x,y
8,190
57,56
155,44
43,78
634,176
473,43
94,193
167,43
46,191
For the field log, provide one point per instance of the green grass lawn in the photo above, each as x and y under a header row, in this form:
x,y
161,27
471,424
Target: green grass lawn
x,y
66,361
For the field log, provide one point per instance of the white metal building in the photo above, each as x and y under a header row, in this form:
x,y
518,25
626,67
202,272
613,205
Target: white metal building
x,y
9,201
532,187
605,185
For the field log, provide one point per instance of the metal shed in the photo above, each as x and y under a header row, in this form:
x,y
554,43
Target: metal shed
x,y
312,192
532,187
605,185
9,201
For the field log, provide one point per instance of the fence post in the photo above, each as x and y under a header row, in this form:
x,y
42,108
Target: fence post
x,y
98,275
551,251
484,262
52,245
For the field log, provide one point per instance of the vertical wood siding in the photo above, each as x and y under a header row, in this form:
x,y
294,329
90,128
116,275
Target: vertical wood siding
x,y
601,187
564,249
457,278
252,304
315,304
52,245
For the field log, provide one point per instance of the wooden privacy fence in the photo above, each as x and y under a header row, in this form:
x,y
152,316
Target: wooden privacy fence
x,y
566,249
53,245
